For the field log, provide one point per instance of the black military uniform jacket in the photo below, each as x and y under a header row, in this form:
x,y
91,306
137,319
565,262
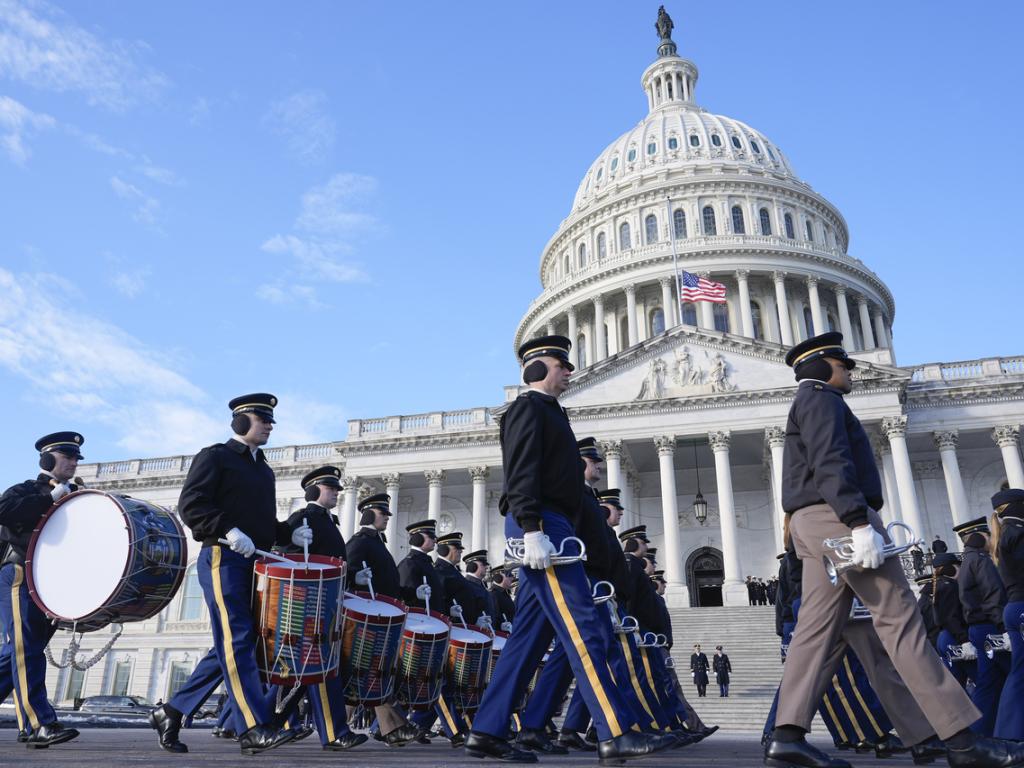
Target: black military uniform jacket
x,y
455,589
21,506
366,546
228,488
722,666
1011,558
666,619
480,604
503,607
981,590
327,538
414,567
924,607
699,668
947,609
642,602
828,457
541,461
591,529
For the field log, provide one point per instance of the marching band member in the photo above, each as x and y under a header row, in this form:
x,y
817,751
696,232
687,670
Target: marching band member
x,y
503,607
924,607
229,494
833,489
25,627
1008,553
949,615
478,610
449,552
984,598
543,493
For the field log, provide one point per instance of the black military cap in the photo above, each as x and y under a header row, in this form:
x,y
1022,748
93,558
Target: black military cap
x,y
259,403
1007,496
497,570
379,501
637,532
588,449
326,475
978,524
945,558
659,576
826,345
479,556
453,539
68,443
546,346
612,497
423,526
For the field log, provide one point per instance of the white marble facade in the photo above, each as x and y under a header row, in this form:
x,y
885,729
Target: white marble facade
x,y
672,395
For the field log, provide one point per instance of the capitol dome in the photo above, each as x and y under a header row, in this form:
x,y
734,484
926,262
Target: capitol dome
x,y
707,194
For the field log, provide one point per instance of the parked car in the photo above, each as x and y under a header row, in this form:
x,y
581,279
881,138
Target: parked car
x,y
119,704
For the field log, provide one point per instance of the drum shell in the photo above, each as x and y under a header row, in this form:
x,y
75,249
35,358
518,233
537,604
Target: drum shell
x,y
422,658
469,665
368,658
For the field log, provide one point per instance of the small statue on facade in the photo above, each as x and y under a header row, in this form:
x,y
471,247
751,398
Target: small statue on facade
x,y
718,376
654,385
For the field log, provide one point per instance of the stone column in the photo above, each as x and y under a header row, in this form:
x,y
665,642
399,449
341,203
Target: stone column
x,y
631,314
891,512
865,323
844,316
785,327
391,487
1007,438
895,428
672,552
815,299
435,479
350,487
744,293
612,329
600,345
550,328
480,533
612,450
666,302
879,319
946,442
570,315
733,590
707,309
776,439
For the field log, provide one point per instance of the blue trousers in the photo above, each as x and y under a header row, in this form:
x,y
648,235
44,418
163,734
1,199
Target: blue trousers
x,y
1010,718
988,681
656,715
28,631
327,705
962,670
444,712
554,602
854,712
549,692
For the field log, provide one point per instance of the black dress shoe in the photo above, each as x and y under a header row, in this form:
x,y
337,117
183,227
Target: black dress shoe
x,y
302,732
226,733
631,745
22,737
167,725
458,740
799,754
47,735
402,735
987,753
928,751
348,741
485,745
261,738
572,740
537,740
708,731
864,746
684,739
591,736
889,745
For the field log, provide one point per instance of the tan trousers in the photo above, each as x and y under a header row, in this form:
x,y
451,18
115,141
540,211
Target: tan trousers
x,y
896,654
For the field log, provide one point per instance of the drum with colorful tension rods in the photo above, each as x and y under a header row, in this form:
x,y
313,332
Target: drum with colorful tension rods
x,y
370,634
422,655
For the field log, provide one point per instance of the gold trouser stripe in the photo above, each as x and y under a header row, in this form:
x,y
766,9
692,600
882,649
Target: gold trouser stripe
x,y
636,683
17,713
846,705
864,706
469,721
325,704
447,713
519,725
19,646
647,670
228,641
835,720
581,650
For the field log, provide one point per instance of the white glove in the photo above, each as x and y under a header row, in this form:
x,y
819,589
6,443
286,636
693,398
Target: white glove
x,y
537,550
363,577
867,547
423,592
240,543
455,611
969,651
302,536
60,491
506,626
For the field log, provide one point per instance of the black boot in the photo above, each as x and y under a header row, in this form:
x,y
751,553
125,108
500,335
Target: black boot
x,y
348,741
537,740
630,745
458,740
402,735
302,732
484,745
167,724
987,753
572,740
790,754
889,746
47,735
262,737
928,751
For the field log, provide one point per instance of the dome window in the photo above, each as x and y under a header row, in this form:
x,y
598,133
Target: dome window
x,y
581,351
738,226
651,229
600,173
716,140
736,142
788,221
652,148
631,156
770,153
657,320
694,140
679,223
583,255
624,239
810,230
615,164
720,314
602,245
708,215
673,143
766,222
755,147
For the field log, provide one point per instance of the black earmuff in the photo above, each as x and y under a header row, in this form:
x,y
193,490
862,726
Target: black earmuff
x,y
632,545
535,371
367,516
819,369
47,461
416,539
241,423
443,550
313,492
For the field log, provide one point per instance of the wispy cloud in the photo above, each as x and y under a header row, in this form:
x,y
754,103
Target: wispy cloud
x,y
129,284
303,122
147,208
17,124
42,46
160,175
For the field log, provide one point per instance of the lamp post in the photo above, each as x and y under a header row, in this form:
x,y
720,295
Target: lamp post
x,y
700,505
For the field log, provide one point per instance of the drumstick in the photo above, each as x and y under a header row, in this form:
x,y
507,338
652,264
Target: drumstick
x,y
305,544
262,553
427,601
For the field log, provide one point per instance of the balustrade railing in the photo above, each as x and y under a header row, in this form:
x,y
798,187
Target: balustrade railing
x,y
420,423
969,369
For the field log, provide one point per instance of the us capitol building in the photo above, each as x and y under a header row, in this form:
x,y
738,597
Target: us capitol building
x,y
684,398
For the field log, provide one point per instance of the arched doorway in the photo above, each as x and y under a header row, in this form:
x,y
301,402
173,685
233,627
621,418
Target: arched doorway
x,y
704,575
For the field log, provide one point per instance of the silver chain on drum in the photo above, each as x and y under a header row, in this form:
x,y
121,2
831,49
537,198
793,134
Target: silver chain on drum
x,y
70,656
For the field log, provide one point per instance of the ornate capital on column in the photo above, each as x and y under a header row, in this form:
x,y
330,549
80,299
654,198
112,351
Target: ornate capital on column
x,y
779,277
742,274
390,478
839,290
665,282
894,426
365,489
862,301
946,441
479,474
284,506
812,281
631,289
1007,436
434,476
719,440
598,301
349,483
611,448
666,444
571,312
775,437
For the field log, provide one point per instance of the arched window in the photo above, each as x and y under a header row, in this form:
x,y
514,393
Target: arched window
x,y
689,313
565,265
788,220
736,142
755,320
673,142
583,255
810,230
657,318
808,321
581,351
600,173
652,148
623,333
651,228
602,245
737,221
615,164
624,242
631,155
716,139
721,315
709,220
694,140
679,223
191,607
770,153
753,146
766,222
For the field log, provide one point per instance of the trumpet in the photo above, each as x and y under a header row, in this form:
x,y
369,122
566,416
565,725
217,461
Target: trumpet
x,y
628,625
652,640
515,551
596,592
997,644
956,653
839,559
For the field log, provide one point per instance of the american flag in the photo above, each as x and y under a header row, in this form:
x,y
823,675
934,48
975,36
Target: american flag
x,y
695,288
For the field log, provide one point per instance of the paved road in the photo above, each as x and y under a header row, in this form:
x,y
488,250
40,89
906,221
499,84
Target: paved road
x,y
136,748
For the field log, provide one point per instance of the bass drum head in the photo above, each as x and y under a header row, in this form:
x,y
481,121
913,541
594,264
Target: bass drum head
x,y
79,555
425,625
367,607
469,636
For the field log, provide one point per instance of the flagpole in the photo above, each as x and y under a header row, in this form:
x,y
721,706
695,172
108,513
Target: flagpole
x,y
675,260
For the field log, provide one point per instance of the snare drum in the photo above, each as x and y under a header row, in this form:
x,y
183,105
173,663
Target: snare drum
x,y
369,647
298,619
97,558
469,665
422,654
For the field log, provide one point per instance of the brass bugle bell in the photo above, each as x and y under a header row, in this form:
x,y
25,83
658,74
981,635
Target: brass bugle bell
x,y
515,551
838,558
602,592
997,644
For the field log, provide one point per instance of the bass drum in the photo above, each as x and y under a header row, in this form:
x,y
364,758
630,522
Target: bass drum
x,y
97,558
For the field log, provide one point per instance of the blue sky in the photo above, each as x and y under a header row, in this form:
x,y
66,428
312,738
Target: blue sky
x,y
346,206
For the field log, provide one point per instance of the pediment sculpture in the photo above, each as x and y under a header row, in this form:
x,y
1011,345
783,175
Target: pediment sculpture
x,y
686,376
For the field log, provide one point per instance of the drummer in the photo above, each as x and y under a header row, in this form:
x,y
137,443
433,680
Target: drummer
x,y
230,495
479,610
421,583
503,607
456,590
21,620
